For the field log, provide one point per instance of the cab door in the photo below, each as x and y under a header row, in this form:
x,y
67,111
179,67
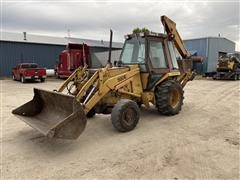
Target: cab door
x,y
157,60
157,56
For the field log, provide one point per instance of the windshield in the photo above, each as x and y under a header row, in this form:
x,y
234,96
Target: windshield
x,y
133,51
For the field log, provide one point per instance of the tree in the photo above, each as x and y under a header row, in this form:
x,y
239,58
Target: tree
x,y
145,30
138,30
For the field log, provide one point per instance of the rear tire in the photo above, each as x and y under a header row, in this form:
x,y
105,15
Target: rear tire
x,y
235,77
42,79
169,97
22,78
125,115
214,77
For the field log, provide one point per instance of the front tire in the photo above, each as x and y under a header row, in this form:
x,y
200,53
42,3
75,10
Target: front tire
x,y
42,79
125,115
23,80
169,97
13,77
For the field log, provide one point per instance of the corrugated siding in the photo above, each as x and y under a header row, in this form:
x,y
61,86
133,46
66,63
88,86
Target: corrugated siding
x,y
14,53
208,48
217,45
199,45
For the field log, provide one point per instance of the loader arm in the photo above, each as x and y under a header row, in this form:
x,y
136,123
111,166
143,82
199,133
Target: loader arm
x,y
171,30
80,74
101,83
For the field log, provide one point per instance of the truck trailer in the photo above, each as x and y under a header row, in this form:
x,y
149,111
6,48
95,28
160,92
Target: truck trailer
x,y
73,56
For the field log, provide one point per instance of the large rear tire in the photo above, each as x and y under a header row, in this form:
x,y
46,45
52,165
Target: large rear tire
x,y
169,97
125,115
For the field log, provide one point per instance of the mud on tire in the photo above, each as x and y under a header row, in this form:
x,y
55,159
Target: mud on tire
x,y
169,97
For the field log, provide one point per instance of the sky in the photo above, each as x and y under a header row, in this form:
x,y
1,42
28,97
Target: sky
x,y
92,19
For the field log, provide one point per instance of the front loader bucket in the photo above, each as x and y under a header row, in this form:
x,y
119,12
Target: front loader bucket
x,y
53,114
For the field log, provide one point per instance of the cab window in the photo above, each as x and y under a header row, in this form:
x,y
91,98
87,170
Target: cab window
x,y
173,54
157,55
133,51
127,53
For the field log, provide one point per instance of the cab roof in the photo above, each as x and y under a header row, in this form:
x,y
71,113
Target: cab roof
x,y
146,34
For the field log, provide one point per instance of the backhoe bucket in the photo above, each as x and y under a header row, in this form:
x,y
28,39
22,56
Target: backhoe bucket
x,y
53,114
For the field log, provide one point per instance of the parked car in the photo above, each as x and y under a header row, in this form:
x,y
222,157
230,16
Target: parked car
x,y
28,71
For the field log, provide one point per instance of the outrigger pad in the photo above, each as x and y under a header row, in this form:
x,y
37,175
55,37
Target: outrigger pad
x,y
53,114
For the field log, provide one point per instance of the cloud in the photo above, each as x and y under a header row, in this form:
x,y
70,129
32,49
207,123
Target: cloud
x,y
94,19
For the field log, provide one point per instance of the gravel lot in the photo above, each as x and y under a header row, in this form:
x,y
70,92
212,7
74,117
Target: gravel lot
x,y
201,142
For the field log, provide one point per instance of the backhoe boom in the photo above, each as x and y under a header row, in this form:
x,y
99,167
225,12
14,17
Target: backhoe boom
x,y
171,30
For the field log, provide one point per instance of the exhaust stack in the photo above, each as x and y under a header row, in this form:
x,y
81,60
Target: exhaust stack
x,y
24,36
110,48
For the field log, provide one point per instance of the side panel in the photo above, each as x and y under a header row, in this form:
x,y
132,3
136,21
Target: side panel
x,y
12,53
63,63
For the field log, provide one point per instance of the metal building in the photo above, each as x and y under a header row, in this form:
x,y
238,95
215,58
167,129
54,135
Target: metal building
x,y
210,48
44,50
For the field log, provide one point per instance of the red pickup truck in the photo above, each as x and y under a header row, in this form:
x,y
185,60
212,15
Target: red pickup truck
x,y
28,71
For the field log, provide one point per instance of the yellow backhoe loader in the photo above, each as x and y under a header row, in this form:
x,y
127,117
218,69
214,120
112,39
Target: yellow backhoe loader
x,y
228,67
148,72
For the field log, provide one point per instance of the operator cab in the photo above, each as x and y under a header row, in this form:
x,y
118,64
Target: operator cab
x,y
153,52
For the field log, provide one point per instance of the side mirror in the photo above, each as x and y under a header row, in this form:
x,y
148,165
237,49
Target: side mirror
x,y
117,63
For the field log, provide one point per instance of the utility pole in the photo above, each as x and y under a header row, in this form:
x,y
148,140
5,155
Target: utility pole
x,y
68,33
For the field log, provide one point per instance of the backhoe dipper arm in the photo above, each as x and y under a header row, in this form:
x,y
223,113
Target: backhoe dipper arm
x,y
171,30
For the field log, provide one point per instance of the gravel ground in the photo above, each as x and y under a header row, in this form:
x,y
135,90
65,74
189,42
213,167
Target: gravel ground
x,y
202,142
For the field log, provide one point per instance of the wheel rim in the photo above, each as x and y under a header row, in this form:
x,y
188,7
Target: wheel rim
x,y
174,98
129,116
